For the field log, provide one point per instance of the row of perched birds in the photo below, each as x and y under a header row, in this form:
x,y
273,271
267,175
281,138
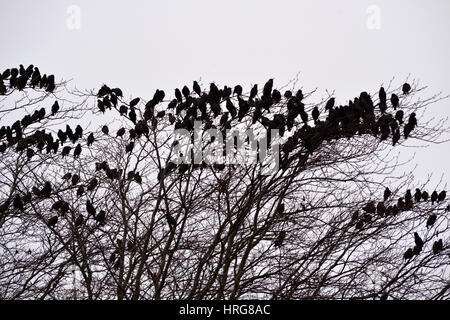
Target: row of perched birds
x,y
438,246
358,117
19,78
403,204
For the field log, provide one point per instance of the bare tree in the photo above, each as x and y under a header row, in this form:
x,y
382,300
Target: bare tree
x,y
93,205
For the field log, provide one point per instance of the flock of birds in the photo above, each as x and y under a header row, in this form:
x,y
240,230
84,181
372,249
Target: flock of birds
x,y
405,203
359,116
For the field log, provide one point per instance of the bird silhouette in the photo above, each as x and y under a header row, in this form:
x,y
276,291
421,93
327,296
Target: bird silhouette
x,y
406,88
90,208
387,193
133,103
52,221
417,195
418,240
197,88
434,197
431,220
408,254
394,101
105,129
330,104
441,196
120,132
437,246
280,239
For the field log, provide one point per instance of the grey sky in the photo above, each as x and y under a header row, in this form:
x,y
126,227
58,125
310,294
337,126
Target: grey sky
x,y
143,45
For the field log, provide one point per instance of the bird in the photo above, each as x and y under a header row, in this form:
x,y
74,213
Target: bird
x,y
178,95
408,196
437,246
382,97
55,108
280,238
197,88
381,209
417,195
369,207
186,92
408,254
387,193
90,208
75,179
133,103
441,196
92,184
267,89
406,88
132,115
434,197
17,203
418,240
425,195
394,101
80,191
171,220
315,114
431,220
399,116
396,137
237,90
77,151
330,104
100,216
66,151
52,221
254,91
90,139
105,129
120,132
129,147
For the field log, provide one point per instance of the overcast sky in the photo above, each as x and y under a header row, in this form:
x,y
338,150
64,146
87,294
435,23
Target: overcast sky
x,y
346,46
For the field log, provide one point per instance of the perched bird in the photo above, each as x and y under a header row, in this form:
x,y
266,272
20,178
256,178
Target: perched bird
x,y
425,195
105,129
267,90
90,139
387,193
406,88
280,238
55,108
381,209
186,92
75,179
369,207
408,196
408,254
417,195
80,191
434,197
437,246
394,101
52,221
254,91
418,240
237,90
382,97
171,221
178,95
120,132
315,114
101,216
77,151
441,196
133,103
90,208
431,220
330,104
197,88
